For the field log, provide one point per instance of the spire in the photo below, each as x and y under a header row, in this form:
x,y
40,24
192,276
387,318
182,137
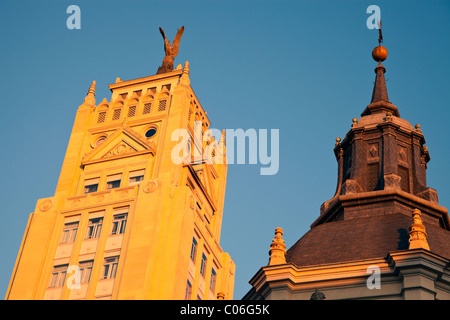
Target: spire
x,y
380,101
379,89
90,97
417,234
184,79
277,250
379,54
186,68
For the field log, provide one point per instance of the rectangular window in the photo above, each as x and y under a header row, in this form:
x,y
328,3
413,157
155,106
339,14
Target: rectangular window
x,y
94,228
203,265
69,232
193,249
86,270
113,181
135,180
136,177
110,265
212,284
91,185
188,293
119,223
58,276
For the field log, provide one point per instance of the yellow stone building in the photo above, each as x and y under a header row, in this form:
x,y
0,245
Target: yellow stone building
x,y
126,221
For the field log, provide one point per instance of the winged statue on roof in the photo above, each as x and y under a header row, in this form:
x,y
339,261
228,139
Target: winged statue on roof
x,y
171,51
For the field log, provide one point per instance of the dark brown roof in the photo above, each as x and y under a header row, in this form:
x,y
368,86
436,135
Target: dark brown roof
x,y
362,238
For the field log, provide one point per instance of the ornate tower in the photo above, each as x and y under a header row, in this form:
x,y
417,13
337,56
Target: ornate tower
x,y
126,220
382,163
383,221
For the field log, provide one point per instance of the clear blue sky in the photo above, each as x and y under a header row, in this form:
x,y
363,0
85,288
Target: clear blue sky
x,y
303,67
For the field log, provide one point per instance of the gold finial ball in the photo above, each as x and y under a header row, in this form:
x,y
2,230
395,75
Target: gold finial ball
x,y
417,126
355,120
379,53
338,140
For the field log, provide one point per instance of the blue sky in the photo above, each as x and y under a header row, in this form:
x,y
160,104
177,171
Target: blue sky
x,y
303,67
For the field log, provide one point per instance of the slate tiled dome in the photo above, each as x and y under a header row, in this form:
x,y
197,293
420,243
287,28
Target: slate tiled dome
x,y
361,239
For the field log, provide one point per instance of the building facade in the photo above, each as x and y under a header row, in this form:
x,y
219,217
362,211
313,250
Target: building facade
x,y
126,220
383,235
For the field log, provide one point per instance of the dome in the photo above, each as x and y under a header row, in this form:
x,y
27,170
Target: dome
x,y
360,239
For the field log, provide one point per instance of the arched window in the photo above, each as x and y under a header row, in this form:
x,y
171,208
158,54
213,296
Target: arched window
x,y
116,108
147,102
132,104
102,112
163,99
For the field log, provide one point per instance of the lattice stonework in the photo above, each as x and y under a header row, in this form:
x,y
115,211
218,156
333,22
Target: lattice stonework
x,y
131,111
116,114
147,108
162,105
101,117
